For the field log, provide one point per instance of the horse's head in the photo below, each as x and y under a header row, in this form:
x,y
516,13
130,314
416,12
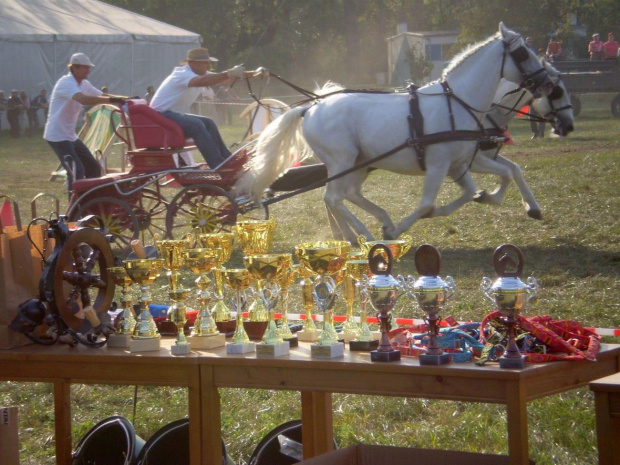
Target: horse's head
x,y
522,66
556,106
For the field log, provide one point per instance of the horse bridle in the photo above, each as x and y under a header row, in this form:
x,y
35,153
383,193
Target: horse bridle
x,y
532,82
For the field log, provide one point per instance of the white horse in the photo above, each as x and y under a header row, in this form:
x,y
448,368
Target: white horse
x,y
261,115
346,129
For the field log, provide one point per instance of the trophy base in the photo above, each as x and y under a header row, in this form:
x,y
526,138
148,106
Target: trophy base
x,y
144,345
226,327
180,349
442,359
512,362
346,337
119,340
308,336
209,341
333,351
292,341
390,356
363,346
272,350
245,348
255,329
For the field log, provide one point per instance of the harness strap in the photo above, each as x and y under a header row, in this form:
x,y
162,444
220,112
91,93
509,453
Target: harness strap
x,y
416,127
448,93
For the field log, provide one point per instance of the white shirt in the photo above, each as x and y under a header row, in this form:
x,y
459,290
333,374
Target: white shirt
x,y
174,93
63,110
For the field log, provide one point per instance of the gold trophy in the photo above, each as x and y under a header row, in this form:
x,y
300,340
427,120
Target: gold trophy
x,y
239,279
325,259
224,241
256,237
270,268
205,334
127,319
383,291
285,281
143,272
353,273
398,247
431,293
171,251
309,332
359,271
509,296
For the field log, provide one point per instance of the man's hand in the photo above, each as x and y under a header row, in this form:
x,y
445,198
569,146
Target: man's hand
x,y
120,100
238,72
260,72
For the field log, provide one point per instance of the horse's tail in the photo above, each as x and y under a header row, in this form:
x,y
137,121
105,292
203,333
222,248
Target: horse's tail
x,y
280,146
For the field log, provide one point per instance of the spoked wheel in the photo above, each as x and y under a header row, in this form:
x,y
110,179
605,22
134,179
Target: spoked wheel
x,y
81,276
118,219
615,106
151,214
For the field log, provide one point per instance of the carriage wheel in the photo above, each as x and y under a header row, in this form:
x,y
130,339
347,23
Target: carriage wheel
x,y
615,106
151,215
118,220
575,101
82,267
209,208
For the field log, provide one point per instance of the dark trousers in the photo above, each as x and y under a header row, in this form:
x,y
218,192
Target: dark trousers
x,y
13,117
76,153
538,128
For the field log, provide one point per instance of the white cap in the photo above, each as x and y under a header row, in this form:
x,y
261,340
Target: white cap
x,y
80,59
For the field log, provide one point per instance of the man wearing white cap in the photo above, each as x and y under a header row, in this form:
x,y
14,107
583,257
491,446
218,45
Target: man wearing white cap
x,y
176,94
71,92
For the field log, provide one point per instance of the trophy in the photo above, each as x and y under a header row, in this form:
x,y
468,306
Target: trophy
x,y
509,296
398,247
383,292
205,334
127,320
355,269
224,241
270,268
285,280
325,259
308,333
431,293
144,272
359,270
171,251
239,279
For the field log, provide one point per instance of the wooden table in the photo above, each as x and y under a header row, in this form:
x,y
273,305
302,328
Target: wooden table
x,y
607,406
204,373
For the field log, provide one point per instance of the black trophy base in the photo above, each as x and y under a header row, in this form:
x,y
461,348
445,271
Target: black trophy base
x,y
439,359
390,356
293,341
512,362
363,346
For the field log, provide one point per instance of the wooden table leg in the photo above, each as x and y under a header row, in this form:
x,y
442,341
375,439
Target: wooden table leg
x,y
62,425
211,419
195,418
317,423
516,408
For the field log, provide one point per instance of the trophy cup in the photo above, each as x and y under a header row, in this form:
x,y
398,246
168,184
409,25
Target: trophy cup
x,y
285,281
205,334
509,296
143,272
365,340
383,292
269,268
239,279
309,332
431,293
355,269
325,259
171,251
127,319
224,241
398,247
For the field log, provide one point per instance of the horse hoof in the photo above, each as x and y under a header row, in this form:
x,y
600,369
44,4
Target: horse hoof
x,y
480,196
536,214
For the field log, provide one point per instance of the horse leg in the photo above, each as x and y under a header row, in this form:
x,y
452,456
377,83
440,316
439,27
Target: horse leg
x,y
466,182
432,183
347,222
333,224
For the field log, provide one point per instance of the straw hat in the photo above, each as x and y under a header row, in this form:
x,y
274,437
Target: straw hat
x,y
199,54
80,59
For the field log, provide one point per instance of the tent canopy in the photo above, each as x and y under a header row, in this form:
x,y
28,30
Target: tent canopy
x,y
130,51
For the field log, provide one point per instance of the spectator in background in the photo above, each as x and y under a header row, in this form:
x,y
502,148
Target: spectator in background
x,y
3,104
104,89
24,114
610,48
595,48
36,104
554,50
14,106
150,91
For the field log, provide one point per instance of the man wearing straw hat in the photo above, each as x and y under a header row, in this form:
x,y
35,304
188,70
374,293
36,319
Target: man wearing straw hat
x,y
71,92
180,89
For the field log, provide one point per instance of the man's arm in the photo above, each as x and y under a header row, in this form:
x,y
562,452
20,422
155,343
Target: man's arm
x,y
97,100
226,77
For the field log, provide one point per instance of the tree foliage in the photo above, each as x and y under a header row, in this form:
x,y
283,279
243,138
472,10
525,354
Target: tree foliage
x,y
310,41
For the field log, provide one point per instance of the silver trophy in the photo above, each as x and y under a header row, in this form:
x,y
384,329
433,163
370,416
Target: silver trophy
x,y
509,295
431,293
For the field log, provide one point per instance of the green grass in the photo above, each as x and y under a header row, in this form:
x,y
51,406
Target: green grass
x,y
573,252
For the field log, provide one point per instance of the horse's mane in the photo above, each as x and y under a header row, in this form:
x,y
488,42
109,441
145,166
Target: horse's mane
x,y
469,51
328,88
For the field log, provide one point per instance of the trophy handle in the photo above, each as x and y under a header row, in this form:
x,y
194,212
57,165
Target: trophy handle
x,y
485,285
361,240
532,288
451,286
408,243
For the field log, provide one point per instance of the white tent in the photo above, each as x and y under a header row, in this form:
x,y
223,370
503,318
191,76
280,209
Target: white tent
x,y
130,51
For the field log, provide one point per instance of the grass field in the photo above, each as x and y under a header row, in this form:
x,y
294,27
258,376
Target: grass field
x,y
573,252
